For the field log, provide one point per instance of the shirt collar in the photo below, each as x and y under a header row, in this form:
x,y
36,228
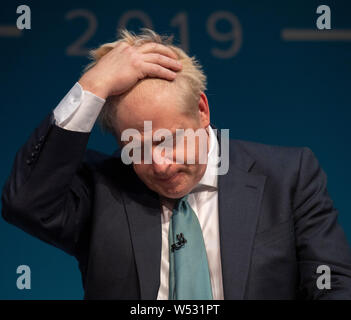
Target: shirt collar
x,y
210,178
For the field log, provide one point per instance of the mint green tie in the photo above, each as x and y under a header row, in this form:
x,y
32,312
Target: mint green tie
x,y
189,277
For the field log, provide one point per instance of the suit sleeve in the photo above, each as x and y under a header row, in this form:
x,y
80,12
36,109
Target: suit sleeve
x,y
320,240
48,192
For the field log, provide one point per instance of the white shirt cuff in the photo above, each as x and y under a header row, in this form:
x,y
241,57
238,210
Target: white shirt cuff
x,y
78,110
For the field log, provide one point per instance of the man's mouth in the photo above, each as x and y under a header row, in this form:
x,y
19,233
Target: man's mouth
x,y
169,178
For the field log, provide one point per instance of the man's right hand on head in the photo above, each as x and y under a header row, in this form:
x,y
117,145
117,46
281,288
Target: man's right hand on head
x,y
122,67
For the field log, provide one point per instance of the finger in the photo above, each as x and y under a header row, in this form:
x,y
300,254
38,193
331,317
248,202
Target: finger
x,y
153,47
157,71
163,61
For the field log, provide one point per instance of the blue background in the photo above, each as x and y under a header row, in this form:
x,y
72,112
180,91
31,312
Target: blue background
x,y
273,91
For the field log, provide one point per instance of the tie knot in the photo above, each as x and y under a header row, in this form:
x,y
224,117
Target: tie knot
x,y
180,202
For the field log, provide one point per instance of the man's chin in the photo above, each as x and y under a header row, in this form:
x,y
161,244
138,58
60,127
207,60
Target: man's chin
x,y
175,189
173,193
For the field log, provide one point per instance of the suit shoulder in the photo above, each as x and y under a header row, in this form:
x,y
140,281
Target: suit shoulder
x,y
105,164
264,148
98,160
94,157
270,157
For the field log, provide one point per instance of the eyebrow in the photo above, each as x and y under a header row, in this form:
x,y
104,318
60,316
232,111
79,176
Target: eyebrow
x,y
167,137
173,133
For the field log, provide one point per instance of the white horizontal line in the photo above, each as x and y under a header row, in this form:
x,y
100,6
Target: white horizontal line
x,y
316,35
9,31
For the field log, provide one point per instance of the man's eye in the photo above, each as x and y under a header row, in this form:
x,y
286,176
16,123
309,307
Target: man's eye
x,y
166,141
169,140
137,150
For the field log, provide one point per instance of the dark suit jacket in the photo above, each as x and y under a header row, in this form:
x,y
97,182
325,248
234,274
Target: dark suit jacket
x,y
277,222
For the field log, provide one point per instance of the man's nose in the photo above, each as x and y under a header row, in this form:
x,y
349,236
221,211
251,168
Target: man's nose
x,y
160,164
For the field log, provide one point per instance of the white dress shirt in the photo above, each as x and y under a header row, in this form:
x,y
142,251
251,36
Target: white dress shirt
x,y
79,110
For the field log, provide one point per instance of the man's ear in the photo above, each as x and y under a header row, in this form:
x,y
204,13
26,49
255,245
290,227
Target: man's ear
x,y
204,111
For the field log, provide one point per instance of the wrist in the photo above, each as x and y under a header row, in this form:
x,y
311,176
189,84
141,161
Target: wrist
x,y
93,87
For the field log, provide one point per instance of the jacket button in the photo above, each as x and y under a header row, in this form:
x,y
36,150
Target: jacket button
x,y
37,146
41,139
29,161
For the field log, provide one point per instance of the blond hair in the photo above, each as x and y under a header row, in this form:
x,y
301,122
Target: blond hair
x,y
191,79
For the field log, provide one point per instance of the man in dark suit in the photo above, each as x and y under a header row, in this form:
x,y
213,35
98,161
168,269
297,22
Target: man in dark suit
x,y
264,229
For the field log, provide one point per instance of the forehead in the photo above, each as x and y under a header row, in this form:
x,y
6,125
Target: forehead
x,y
151,100
152,91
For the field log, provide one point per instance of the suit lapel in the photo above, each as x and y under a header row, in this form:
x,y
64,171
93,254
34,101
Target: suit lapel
x,y
144,217
239,201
